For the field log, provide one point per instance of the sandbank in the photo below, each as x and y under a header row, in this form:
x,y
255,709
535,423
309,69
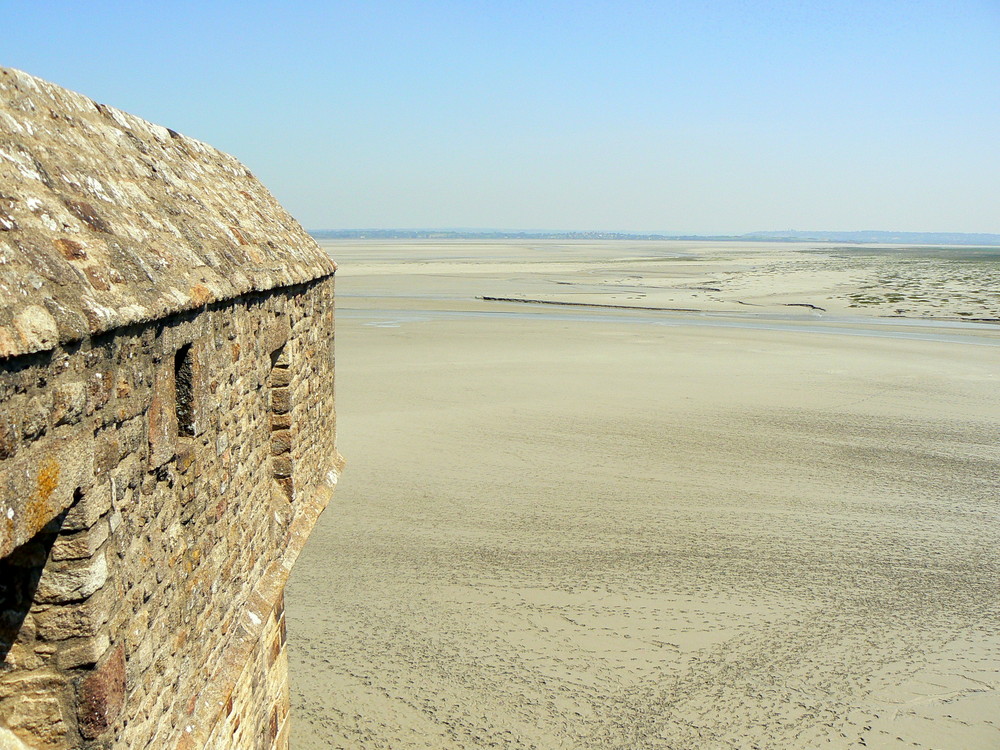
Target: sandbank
x,y
755,525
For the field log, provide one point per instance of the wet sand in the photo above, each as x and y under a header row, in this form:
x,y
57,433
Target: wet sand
x,y
760,525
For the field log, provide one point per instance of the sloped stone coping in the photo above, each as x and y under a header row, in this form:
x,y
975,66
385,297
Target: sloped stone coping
x,y
107,220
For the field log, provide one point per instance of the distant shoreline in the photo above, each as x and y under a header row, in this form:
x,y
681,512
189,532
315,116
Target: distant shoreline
x,y
860,237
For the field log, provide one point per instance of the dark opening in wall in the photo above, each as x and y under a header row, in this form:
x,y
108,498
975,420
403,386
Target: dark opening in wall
x,y
185,394
20,572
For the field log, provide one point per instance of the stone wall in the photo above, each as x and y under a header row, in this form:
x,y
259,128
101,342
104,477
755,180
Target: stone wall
x,y
192,456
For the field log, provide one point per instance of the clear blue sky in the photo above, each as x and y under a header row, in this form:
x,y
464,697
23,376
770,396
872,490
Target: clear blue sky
x,y
708,117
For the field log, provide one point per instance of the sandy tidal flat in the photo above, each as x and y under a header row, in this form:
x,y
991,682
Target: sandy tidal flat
x,y
571,527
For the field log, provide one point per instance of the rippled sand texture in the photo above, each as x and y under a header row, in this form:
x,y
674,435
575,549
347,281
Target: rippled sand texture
x,y
560,529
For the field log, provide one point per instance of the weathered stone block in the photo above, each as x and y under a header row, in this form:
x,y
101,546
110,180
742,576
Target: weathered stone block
x,y
23,656
281,400
36,328
88,508
281,441
101,695
68,403
74,582
162,417
81,544
36,417
186,455
40,482
106,451
81,652
81,620
39,718
282,466
281,377
27,683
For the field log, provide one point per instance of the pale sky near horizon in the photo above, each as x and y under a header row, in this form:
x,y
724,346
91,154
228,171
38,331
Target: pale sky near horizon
x,y
689,117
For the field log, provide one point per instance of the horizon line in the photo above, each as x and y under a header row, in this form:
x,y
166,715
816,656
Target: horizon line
x,y
869,235
635,231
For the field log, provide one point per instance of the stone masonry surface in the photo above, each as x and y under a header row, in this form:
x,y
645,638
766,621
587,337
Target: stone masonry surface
x,y
167,431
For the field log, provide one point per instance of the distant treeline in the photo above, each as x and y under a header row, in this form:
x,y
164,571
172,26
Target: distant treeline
x,y
864,237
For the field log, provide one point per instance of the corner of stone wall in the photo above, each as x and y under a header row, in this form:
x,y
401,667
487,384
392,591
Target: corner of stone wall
x,y
150,609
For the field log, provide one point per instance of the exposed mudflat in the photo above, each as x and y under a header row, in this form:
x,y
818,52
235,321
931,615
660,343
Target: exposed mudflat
x,y
775,527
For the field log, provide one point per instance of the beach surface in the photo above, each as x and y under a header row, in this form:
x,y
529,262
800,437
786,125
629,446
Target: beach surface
x,y
761,511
